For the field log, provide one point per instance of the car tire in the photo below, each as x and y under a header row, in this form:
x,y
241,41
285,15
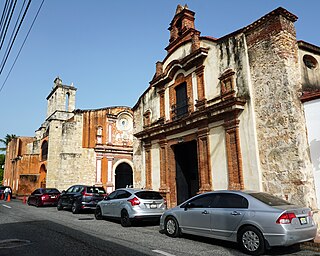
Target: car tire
x,y
75,207
171,227
38,203
251,241
98,213
28,202
59,205
125,220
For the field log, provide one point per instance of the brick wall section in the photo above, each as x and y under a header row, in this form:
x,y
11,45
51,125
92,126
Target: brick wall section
x,y
281,132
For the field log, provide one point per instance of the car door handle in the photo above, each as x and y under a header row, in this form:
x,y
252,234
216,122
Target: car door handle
x,y
205,212
236,213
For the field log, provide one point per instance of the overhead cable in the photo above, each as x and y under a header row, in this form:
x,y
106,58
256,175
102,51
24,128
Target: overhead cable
x,y
22,45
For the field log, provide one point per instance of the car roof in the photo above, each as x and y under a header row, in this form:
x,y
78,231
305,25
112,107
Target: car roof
x,y
135,190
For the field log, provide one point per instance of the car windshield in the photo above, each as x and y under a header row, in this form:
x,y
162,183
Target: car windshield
x,y
96,190
51,190
269,199
148,195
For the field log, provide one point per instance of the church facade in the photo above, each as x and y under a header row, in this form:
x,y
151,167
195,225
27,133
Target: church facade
x,y
73,146
226,113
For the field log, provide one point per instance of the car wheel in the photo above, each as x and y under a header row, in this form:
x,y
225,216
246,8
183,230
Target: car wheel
x,y
75,207
28,202
98,213
59,205
125,220
171,227
251,241
38,203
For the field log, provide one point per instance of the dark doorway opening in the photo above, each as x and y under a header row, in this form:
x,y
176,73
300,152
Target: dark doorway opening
x,y
187,176
124,177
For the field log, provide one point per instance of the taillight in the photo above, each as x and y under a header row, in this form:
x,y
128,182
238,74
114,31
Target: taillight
x,y
44,197
134,201
310,214
85,194
286,218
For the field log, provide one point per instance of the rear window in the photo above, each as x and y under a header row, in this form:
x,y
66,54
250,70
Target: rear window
x,y
148,195
51,190
96,190
269,199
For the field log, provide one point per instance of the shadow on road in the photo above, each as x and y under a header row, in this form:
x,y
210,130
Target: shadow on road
x,y
49,238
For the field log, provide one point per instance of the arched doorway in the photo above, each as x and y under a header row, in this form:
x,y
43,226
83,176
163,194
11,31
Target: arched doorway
x,y
124,176
43,176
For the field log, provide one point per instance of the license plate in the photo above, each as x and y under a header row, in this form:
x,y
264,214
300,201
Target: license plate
x,y
53,196
153,206
303,220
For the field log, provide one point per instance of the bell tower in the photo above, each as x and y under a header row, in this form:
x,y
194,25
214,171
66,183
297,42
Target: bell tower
x,y
182,28
61,100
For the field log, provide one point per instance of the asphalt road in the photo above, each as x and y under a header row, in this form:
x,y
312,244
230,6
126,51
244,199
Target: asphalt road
x,y
30,231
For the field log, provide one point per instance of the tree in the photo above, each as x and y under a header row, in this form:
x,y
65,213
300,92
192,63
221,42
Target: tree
x,y
6,141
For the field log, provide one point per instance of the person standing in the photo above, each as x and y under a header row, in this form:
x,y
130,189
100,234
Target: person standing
x,y
7,191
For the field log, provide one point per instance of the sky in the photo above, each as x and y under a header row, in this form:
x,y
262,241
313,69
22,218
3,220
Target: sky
x,y
108,49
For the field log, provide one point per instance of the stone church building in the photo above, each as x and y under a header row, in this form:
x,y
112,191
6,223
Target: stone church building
x,y
73,146
236,112
227,113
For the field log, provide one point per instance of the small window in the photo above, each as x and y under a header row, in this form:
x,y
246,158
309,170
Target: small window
x,y
112,195
70,189
227,200
205,201
44,150
123,194
310,61
148,195
96,190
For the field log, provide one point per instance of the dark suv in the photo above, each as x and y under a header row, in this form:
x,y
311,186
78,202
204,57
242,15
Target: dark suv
x,y
79,197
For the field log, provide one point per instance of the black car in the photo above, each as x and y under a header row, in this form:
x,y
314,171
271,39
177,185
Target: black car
x,y
2,188
79,197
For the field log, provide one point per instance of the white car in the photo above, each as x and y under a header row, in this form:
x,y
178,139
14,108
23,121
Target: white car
x,y
128,204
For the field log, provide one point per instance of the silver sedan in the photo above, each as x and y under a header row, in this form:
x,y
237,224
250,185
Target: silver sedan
x,y
128,204
256,220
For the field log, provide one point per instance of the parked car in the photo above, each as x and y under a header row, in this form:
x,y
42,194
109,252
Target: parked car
x,y
44,196
79,197
128,204
2,188
255,220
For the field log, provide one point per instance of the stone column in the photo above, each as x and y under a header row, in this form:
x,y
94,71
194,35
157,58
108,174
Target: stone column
x,y
148,173
234,157
201,102
204,161
110,174
163,165
98,170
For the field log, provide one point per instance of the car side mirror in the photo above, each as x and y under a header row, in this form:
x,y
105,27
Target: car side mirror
x,y
188,205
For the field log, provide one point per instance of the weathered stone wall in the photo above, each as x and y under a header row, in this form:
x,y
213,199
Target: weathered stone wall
x,y
281,132
138,159
68,162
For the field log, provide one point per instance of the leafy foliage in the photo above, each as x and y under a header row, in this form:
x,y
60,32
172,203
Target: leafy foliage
x,y
6,141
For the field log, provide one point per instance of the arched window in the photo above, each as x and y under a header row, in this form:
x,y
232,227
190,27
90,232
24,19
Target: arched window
x,y
44,151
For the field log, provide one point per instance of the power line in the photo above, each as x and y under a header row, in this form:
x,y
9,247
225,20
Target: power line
x,y
22,46
5,58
